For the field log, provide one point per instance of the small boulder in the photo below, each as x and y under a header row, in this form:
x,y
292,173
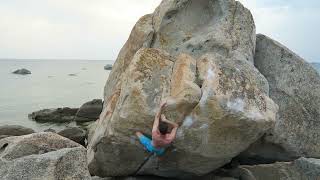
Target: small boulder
x,y
50,130
22,71
59,115
89,111
42,156
38,143
75,134
14,130
302,168
108,67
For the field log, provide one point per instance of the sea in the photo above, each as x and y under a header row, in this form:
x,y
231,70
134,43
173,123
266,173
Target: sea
x,y
52,84
316,66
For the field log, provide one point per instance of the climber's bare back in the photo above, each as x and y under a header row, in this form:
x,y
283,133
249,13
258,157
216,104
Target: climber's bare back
x,y
159,140
161,137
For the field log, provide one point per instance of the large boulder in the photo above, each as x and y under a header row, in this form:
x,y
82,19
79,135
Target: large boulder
x,y
42,156
15,130
222,123
197,55
59,115
295,87
89,111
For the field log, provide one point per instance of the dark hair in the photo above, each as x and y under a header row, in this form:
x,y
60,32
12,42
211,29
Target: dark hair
x,y
163,128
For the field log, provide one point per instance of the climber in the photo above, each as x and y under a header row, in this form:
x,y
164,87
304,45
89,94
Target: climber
x,y
161,137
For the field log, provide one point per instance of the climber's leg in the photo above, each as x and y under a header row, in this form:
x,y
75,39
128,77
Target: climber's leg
x,y
146,142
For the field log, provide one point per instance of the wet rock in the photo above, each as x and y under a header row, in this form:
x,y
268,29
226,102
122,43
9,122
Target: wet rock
x,y
50,130
108,67
75,134
15,130
89,111
59,115
22,71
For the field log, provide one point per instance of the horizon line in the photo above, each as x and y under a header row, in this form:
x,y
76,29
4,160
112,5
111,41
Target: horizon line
x,y
76,59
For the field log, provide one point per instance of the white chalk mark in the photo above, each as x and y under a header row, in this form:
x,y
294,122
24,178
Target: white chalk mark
x,y
208,88
210,74
180,133
204,126
236,105
254,114
188,121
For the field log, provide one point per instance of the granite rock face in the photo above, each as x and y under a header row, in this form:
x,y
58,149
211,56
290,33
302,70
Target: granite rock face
x,y
42,156
198,27
295,87
233,112
198,56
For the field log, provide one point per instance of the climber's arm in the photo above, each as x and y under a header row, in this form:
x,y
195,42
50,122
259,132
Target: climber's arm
x,y
173,124
157,117
173,133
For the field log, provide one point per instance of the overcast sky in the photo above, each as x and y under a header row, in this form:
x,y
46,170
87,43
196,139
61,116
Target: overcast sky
x,y
97,29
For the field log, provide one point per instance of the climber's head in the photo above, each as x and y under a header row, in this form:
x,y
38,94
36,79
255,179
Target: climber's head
x,y
163,128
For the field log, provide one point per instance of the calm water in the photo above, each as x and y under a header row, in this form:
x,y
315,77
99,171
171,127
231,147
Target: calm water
x,y
49,86
317,66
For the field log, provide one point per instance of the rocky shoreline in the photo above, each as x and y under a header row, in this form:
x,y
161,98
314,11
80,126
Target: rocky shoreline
x,y
252,107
